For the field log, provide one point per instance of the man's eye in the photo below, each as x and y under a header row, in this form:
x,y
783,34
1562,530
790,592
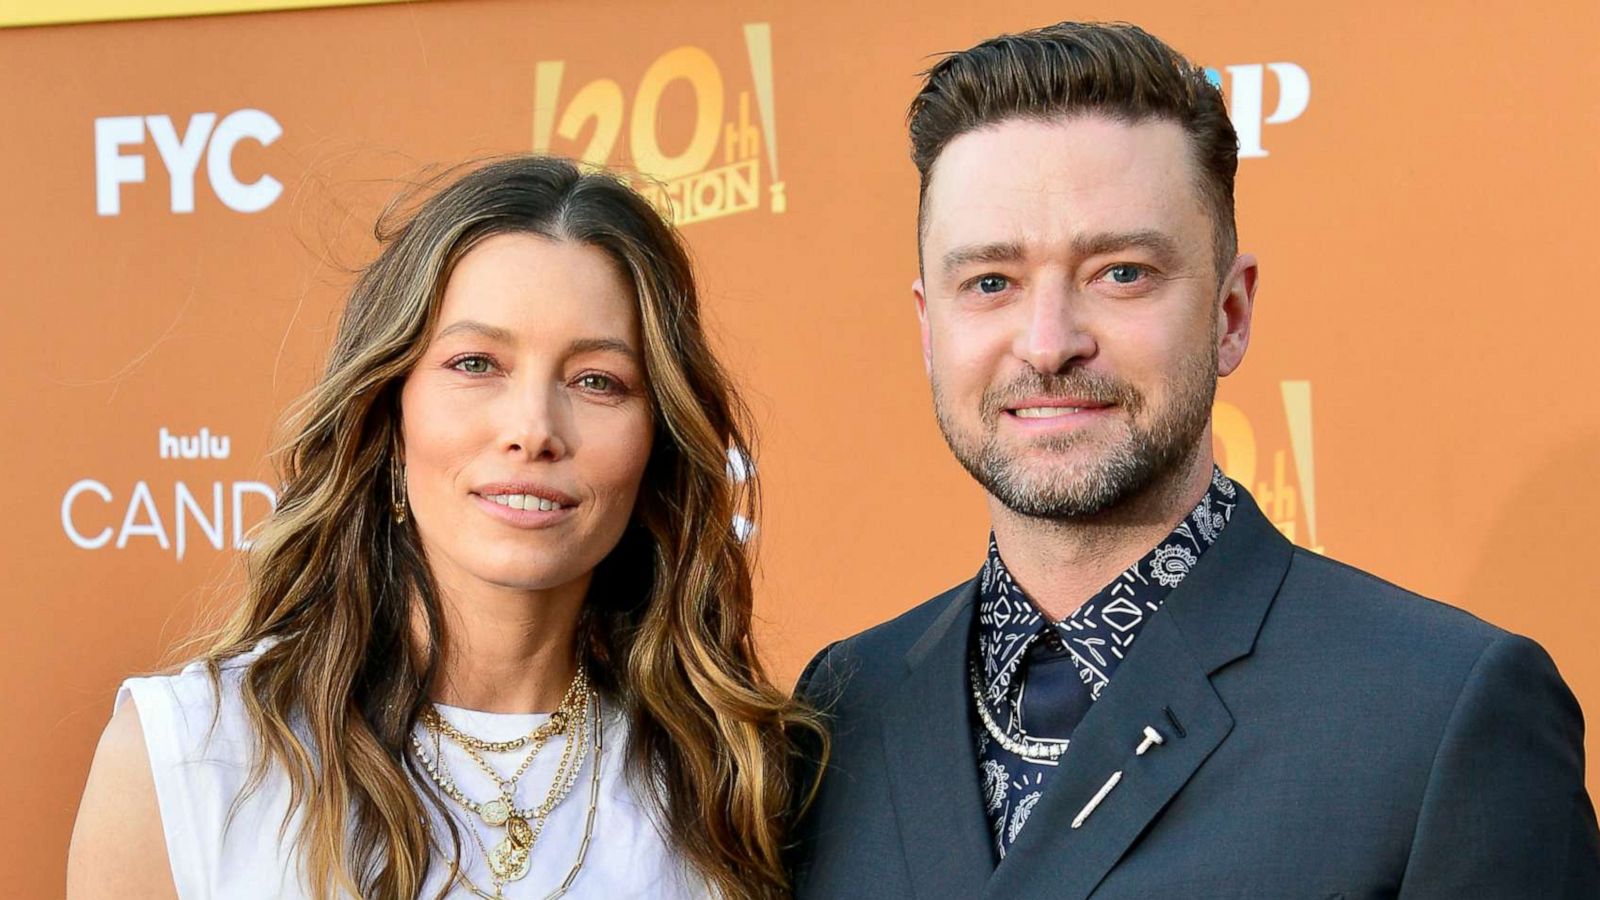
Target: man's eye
x,y
1125,273
473,365
992,284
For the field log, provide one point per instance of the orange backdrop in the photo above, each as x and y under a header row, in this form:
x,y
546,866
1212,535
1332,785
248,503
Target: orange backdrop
x,y
1419,183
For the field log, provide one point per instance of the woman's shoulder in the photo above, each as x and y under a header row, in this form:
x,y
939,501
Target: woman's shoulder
x,y
193,713
170,766
204,750
119,847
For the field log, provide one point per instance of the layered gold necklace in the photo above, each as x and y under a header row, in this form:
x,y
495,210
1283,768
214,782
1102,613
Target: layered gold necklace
x,y
578,720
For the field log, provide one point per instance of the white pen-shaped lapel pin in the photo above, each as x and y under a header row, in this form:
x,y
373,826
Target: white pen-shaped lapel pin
x,y
1095,800
1152,738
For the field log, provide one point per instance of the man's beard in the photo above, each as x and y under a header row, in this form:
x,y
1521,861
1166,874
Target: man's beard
x,y
1143,456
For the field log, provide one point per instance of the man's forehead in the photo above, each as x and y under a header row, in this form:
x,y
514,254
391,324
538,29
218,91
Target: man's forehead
x,y
1028,181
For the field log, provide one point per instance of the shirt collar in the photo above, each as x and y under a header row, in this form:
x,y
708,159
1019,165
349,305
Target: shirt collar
x,y
1101,631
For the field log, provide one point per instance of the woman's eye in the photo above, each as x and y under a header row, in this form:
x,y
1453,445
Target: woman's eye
x,y
473,365
1125,273
594,381
992,284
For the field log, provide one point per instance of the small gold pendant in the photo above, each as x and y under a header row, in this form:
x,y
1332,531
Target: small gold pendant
x,y
495,812
509,862
519,832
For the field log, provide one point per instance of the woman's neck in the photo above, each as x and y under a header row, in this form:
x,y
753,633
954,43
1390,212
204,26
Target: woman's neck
x,y
507,650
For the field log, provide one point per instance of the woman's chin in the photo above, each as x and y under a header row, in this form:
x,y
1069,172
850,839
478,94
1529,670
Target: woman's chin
x,y
530,579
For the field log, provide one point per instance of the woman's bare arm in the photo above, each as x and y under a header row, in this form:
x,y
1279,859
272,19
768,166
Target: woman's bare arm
x,y
118,848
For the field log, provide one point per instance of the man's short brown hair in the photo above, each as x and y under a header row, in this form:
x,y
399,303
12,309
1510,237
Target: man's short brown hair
x,y
1071,68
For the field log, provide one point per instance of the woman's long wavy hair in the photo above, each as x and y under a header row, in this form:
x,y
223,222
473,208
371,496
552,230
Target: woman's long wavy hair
x,y
340,587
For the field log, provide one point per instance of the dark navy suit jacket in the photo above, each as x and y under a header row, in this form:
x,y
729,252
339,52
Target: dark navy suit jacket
x,y
1340,738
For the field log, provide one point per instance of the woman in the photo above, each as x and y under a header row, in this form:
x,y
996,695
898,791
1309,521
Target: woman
x,y
496,640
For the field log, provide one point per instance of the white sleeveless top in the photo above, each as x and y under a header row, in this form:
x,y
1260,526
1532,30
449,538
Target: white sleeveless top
x,y
200,755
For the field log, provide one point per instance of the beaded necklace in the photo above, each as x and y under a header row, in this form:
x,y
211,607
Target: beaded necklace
x,y
1025,748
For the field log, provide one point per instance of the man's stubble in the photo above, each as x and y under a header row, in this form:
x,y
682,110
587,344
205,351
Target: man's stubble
x,y
1142,457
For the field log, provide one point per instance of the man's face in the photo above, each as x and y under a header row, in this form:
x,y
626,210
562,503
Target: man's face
x,y
1073,323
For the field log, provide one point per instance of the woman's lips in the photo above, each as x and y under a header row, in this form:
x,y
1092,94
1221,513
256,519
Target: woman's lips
x,y
525,509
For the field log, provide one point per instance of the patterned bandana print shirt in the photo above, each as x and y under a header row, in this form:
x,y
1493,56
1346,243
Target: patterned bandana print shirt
x,y
1095,639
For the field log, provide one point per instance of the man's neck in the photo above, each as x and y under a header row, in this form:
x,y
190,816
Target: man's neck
x,y
1061,563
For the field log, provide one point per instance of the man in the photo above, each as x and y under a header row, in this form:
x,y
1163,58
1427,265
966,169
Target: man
x,y
1147,691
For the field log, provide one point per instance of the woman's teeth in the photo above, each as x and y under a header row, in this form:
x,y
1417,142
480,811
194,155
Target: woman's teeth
x,y
525,501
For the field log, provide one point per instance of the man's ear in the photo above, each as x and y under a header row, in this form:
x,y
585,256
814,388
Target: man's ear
x,y
1236,305
922,323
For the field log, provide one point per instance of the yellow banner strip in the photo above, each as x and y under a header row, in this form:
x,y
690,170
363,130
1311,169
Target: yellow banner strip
x,y
20,13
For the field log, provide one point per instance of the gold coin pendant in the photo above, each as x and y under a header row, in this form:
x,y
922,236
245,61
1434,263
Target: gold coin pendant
x,y
508,861
519,832
495,812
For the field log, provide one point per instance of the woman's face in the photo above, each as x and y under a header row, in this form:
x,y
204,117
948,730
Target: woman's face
x,y
527,424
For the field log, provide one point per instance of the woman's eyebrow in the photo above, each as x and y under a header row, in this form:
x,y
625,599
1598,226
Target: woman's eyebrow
x,y
504,336
469,326
603,345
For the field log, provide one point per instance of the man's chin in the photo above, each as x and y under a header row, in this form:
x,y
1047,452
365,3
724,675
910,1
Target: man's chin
x,y
1053,505
1062,485
1047,460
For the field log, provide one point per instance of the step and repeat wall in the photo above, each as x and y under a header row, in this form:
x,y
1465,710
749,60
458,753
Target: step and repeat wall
x,y
185,200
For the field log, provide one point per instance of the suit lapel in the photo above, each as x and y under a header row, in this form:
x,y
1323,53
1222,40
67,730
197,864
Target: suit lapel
x,y
1073,861
1208,621
932,764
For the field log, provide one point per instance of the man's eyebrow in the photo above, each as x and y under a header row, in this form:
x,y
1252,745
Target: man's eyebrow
x,y
469,326
1157,242
968,254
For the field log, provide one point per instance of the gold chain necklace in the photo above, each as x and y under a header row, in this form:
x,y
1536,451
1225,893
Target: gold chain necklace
x,y
499,811
491,812
503,810
509,859
572,700
592,707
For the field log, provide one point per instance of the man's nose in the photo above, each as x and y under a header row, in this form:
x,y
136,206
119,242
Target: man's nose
x,y
1055,333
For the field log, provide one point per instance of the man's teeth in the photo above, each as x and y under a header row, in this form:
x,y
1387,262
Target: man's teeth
x,y
525,501
1046,412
